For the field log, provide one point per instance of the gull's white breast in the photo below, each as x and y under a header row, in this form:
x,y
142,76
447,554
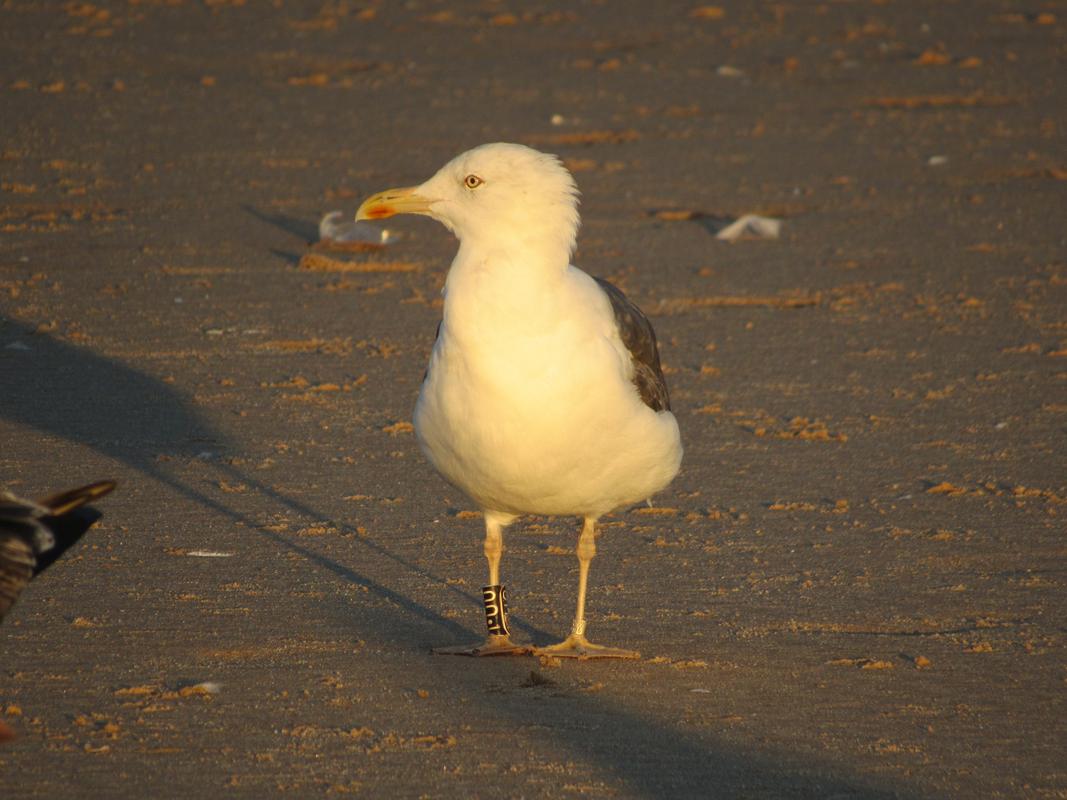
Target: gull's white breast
x,y
528,406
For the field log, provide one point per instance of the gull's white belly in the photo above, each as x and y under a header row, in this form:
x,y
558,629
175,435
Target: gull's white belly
x,y
543,424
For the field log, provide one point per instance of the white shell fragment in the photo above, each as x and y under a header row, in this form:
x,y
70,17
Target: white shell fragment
x,y
751,225
335,228
208,554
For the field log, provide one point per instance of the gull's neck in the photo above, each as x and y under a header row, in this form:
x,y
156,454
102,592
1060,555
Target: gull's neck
x,y
497,285
533,247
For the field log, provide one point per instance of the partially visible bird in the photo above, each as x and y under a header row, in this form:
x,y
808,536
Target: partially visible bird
x,y
34,534
544,393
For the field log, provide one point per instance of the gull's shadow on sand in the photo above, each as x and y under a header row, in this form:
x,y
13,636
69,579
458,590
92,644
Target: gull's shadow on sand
x,y
656,759
66,391
70,392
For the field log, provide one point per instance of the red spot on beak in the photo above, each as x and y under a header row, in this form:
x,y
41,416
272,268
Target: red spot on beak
x,y
378,212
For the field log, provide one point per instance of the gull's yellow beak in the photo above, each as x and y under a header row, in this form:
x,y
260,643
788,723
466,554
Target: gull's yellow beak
x,y
393,201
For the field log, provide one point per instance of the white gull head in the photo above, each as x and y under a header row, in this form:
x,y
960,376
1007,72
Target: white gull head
x,y
497,197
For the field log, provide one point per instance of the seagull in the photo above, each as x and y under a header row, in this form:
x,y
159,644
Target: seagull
x,y
544,393
34,534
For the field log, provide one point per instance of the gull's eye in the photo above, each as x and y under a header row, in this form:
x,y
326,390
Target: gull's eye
x,y
472,181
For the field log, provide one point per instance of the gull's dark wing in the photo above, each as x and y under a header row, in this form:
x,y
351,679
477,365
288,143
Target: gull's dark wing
x,y
33,535
636,333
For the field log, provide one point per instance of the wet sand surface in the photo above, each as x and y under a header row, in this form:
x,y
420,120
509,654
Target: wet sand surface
x,y
855,587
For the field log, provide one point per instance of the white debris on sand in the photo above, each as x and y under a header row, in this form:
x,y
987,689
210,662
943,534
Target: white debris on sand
x,y
208,554
333,227
750,225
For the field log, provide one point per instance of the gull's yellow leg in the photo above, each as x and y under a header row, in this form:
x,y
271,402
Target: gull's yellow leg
x,y
576,645
498,642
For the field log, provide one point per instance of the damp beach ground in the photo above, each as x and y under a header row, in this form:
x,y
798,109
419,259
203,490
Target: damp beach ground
x,y
855,588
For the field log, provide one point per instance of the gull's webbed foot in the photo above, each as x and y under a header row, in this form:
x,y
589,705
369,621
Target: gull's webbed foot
x,y
577,646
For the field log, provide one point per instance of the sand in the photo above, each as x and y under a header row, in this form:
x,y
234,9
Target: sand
x,y
855,588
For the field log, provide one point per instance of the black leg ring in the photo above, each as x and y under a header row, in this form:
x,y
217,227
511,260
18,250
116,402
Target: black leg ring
x,y
496,610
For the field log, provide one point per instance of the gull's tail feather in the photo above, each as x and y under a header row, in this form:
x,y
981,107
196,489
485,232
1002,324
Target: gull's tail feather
x,y
64,502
